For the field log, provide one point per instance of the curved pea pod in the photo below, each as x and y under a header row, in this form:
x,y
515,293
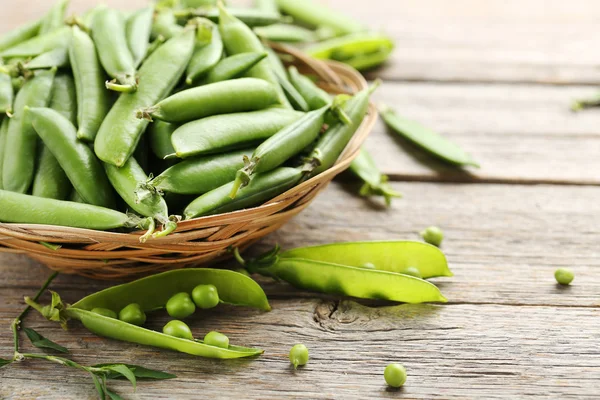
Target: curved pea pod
x,y
245,94
165,25
361,51
392,256
27,209
239,38
261,188
58,58
315,96
316,14
293,96
55,17
137,30
21,142
160,133
280,147
375,183
108,32
230,131
286,33
3,133
233,67
39,44
206,56
427,139
92,98
6,94
19,35
249,16
121,130
75,158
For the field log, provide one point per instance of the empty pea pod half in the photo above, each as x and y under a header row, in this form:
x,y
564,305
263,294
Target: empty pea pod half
x,y
151,294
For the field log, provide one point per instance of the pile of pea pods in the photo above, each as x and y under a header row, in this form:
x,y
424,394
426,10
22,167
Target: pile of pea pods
x,y
115,120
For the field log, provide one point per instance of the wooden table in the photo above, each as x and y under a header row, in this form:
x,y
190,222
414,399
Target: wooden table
x,y
496,76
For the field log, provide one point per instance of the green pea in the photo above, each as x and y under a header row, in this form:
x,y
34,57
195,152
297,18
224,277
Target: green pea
x,y
413,271
178,329
564,276
216,339
395,375
133,314
205,296
180,305
105,312
368,265
433,235
299,355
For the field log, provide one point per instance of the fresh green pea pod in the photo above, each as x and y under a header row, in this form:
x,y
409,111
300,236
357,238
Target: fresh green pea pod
x,y
58,58
261,188
21,142
293,96
39,44
19,35
160,133
92,98
141,153
3,133
249,16
108,32
55,18
280,147
245,94
427,139
121,130
197,3
75,158
6,94
316,14
286,33
199,175
266,5
63,98
225,132
26,209
137,30
206,56
391,256
375,183
87,18
233,67
315,96
165,25
239,38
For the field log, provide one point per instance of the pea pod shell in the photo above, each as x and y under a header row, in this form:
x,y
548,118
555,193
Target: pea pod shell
x,y
3,134
21,142
375,183
315,96
57,57
121,130
205,57
355,282
6,93
230,131
137,29
26,209
75,157
315,14
427,139
19,35
39,44
55,17
234,66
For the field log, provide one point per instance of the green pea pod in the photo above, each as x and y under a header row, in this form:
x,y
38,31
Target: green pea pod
x,y
3,133
375,183
261,188
239,38
315,96
121,130
165,25
225,132
92,98
316,14
293,96
361,50
200,175
137,30
63,98
286,33
55,18
160,133
245,94
21,142
197,3
280,147
19,35
206,56
58,58
6,94
249,16
108,32
391,256
266,5
39,44
75,158
233,67
427,139
26,209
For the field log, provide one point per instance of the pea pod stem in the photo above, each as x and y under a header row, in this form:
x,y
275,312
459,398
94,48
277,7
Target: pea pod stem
x,y
375,183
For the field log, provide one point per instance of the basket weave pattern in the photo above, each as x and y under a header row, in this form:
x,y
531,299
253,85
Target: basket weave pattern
x,y
110,255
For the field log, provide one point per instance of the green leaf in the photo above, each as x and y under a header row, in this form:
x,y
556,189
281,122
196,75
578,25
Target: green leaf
x,y
139,372
113,395
123,370
99,387
4,362
41,342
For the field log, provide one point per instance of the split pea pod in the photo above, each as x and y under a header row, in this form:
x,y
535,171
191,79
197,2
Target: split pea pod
x,y
375,183
3,133
245,94
75,158
108,32
233,67
315,14
21,142
206,55
137,30
239,38
261,188
58,58
280,147
225,132
160,133
19,35
121,130
315,96
6,93
39,44
92,98
55,17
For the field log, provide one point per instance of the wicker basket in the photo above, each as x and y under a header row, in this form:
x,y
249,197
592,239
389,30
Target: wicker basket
x,y
109,255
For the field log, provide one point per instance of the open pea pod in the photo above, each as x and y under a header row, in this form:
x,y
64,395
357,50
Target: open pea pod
x,y
391,256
